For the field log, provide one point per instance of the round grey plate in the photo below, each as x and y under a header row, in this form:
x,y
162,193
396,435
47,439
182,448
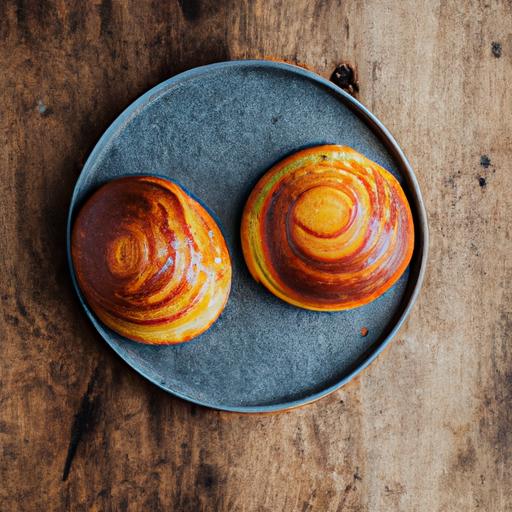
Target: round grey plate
x,y
216,129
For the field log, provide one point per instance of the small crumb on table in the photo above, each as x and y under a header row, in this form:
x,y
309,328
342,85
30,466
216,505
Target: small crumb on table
x,y
364,331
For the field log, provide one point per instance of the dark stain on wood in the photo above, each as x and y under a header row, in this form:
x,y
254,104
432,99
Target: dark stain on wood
x,y
156,416
485,161
21,19
22,310
5,428
496,49
482,182
11,319
186,454
502,391
345,77
341,506
504,432
84,420
206,477
123,504
152,502
191,9
466,458
395,489
76,18
105,12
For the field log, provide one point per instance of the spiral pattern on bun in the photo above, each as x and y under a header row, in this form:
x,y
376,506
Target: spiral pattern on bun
x,y
150,260
327,229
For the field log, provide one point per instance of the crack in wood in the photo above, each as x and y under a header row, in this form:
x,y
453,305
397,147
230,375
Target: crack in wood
x,y
84,420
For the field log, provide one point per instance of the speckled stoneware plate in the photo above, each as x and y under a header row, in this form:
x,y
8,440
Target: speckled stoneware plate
x,y
216,129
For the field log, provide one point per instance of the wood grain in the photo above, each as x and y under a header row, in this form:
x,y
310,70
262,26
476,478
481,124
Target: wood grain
x,y
426,427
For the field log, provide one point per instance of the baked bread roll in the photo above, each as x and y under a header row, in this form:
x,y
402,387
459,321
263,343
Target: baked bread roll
x,y
150,260
327,229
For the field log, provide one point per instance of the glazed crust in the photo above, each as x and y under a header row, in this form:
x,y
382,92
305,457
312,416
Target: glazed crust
x,y
327,229
150,260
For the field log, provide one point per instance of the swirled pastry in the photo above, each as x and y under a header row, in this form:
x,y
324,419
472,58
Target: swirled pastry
x,y
150,260
327,229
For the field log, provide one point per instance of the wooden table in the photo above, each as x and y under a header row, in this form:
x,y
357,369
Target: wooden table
x,y
427,427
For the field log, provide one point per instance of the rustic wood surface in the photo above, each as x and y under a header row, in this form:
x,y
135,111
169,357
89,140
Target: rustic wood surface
x,y
427,427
